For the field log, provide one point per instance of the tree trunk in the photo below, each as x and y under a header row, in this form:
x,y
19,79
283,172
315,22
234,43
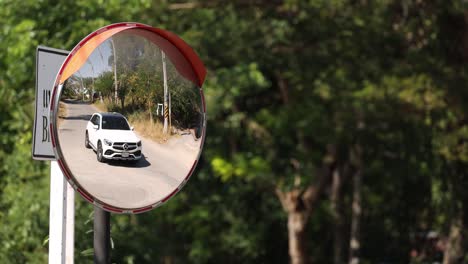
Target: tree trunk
x,y
337,212
296,235
355,238
454,250
299,205
168,260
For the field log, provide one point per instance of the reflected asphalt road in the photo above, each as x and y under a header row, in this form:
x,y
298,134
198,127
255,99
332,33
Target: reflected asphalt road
x,y
118,183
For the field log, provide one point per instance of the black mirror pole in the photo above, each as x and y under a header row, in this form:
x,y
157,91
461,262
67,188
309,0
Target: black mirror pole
x,y
101,236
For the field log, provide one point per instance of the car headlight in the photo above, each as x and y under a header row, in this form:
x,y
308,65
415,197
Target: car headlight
x,y
107,142
139,143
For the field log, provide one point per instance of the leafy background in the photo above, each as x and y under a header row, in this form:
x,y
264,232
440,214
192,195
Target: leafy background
x,y
370,91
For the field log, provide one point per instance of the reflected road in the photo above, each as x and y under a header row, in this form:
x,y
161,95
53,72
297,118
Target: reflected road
x,y
119,183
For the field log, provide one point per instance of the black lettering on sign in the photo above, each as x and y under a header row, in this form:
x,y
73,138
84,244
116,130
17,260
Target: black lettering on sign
x,y
45,129
45,123
45,98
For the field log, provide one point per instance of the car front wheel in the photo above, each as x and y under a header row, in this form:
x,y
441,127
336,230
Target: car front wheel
x,y
87,140
99,154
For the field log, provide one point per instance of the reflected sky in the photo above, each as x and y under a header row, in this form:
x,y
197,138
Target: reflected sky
x,y
97,62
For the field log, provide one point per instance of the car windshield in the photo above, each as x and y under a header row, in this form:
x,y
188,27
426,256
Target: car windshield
x,y
114,122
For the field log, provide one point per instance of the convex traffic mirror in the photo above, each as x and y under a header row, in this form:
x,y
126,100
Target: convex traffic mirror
x,y
128,116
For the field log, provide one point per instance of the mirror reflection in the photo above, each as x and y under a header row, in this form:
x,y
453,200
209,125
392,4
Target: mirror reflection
x,y
129,124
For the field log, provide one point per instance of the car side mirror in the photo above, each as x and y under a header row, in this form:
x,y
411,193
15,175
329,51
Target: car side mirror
x,y
96,127
132,128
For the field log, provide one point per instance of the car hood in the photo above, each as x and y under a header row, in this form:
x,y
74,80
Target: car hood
x,y
119,135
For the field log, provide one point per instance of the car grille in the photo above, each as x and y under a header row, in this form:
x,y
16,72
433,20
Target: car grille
x,y
120,146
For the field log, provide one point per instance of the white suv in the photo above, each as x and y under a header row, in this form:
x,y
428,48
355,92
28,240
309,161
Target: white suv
x,y
110,135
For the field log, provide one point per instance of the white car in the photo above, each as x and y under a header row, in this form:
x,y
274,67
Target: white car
x,y
110,135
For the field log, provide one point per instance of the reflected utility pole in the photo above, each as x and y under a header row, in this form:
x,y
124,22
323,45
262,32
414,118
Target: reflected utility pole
x,y
82,86
115,69
92,78
170,110
103,63
166,94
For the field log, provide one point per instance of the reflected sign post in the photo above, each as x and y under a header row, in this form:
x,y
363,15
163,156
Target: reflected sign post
x,y
109,141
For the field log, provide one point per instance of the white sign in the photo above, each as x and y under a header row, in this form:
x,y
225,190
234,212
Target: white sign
x,y
62,197
162,109
48,63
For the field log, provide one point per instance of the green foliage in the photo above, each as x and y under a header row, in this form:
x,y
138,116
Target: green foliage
x,y
246,166
104,84
285,82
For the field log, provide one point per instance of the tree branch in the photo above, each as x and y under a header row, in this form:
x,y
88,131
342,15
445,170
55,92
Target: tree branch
x,y
282,198
312,193
178,6
283,87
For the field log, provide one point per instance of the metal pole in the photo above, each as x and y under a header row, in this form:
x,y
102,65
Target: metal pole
x,y
70,226
101,236
61,218
166,96
170,113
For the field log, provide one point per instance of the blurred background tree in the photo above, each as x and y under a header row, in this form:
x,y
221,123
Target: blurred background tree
x,y
336,133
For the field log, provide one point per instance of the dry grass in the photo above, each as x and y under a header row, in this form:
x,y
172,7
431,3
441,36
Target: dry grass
x,y
150,130
101,106
142,124
62,113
